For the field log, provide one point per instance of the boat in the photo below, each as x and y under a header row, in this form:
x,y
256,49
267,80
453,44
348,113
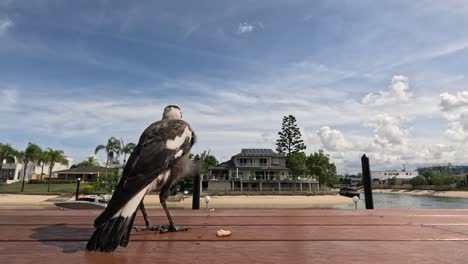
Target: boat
x,y
84,203
349,191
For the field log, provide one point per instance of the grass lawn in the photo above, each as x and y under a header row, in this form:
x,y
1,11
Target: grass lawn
x,y
38,188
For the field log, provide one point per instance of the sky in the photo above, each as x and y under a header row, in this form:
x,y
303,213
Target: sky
x,y
384,78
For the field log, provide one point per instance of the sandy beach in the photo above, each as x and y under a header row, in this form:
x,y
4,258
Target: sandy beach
x,y
263,202
10,201
452,194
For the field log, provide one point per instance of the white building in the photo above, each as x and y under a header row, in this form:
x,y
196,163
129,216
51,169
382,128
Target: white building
x,y
388,174
13,172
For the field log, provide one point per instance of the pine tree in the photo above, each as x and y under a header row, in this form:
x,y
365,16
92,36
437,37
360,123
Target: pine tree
x,y
289,137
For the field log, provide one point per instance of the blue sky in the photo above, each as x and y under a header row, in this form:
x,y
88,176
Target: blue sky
x,y
386,78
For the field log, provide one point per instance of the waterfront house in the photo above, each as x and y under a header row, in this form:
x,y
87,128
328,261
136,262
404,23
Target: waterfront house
x,y
256,170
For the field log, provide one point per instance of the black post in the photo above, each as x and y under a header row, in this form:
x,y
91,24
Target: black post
x,y
78,180
196,184
367,181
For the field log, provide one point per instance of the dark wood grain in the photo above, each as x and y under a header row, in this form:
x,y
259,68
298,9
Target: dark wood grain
x,y
259,236
317,252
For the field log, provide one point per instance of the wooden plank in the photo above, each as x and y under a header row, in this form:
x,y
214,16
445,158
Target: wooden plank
x,y
248,221
316,252
246,212
244,233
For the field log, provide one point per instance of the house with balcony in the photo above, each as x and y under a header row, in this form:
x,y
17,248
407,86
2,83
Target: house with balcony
x,y
250,164
255,170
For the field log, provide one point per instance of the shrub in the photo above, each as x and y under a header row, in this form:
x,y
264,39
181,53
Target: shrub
x,y
96,185
444,179
87,189
52,181
418,180
109,181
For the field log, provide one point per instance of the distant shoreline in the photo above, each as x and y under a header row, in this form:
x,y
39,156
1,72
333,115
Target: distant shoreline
x,y
448,194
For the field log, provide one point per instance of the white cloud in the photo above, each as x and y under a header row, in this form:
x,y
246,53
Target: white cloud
x,y
333,139
451,102
5,25
388,130
398,92
455,109
245,28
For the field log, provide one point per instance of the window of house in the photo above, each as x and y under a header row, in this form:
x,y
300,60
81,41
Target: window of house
x,y
276,161
242,161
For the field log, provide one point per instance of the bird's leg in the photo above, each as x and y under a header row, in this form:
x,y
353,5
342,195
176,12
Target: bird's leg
x,y
171,227
148,226
145,215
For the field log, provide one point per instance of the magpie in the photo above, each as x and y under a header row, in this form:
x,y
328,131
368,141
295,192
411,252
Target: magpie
x,y
159,159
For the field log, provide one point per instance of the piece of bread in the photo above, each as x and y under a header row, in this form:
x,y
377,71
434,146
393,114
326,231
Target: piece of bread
x,y
223,233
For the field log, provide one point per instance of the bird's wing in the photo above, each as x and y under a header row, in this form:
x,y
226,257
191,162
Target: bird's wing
x,y
160,145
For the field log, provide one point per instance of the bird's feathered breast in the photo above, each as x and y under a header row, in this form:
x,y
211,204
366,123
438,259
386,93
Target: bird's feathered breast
x,y
160,146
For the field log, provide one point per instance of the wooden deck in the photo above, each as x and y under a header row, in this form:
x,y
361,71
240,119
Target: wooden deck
x,y
259,236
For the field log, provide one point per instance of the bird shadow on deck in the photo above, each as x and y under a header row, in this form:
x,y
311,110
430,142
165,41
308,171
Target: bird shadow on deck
x,y
48,235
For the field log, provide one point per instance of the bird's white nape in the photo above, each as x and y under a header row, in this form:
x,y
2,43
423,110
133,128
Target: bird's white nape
x,y
172,113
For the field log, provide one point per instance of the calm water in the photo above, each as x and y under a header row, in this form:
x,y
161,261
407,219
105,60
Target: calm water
x,y
401,201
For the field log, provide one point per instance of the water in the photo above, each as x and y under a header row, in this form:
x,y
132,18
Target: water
x,y
402,201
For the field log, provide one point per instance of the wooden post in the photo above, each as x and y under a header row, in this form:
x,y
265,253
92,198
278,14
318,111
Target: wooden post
x,y
367,181
77,192
261,189
279,186
196,184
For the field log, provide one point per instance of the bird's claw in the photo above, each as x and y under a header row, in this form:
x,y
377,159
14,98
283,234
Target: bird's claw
x,y
161,228
169,228
148,228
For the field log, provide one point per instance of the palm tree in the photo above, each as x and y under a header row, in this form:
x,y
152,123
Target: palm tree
x,y
55,156
90,162
44,158
19,155
31,154
7,153
127,149
113,150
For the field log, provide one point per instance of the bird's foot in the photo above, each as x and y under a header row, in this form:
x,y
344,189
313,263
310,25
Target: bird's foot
x,y
148,228
169,228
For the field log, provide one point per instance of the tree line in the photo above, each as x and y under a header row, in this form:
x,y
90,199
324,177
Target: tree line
x,y
33,154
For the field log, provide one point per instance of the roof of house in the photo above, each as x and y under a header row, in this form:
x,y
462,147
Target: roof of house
x,y
259,153
86,170
230,165
251,153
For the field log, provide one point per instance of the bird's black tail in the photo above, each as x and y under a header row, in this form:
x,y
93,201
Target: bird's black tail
x,y
111,234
